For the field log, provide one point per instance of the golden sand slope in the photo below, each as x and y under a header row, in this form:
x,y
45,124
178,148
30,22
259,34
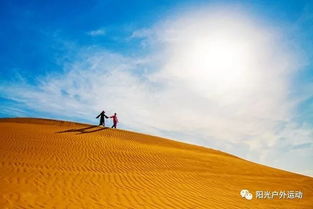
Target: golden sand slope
x,y
54,164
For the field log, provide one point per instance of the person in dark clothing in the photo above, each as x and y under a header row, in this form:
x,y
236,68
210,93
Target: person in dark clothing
x,y
115,120
102,116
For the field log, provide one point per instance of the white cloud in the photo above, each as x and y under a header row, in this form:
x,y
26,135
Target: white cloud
x,y
221,80
142,33
98,32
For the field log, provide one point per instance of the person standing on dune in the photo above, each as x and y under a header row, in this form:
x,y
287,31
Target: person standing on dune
x,y
102,115
115,120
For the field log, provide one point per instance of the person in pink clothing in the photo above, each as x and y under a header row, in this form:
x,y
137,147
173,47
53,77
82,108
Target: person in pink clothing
x,y
115,120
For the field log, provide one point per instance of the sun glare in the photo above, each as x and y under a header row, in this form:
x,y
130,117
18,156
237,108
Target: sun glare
x,y
214,53
222,63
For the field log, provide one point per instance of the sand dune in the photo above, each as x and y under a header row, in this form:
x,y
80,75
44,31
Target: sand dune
x,y
55,164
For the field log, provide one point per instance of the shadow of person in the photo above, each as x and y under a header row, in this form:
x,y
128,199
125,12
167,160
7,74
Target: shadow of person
x,y
86,130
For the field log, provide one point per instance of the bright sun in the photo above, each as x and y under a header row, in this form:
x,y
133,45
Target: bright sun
x,y
215,54
221,63
220,59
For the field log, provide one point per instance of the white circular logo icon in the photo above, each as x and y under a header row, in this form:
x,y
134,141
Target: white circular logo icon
x,y
246,194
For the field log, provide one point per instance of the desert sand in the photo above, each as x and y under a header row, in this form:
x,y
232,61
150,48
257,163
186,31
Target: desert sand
x,y
57,164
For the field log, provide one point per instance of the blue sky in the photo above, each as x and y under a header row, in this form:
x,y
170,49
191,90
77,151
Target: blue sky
x,y
231,75
33,32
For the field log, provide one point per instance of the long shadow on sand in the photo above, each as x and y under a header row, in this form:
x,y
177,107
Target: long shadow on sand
x,y
89,129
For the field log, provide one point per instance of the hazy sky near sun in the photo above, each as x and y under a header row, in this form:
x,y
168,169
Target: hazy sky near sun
x,y
230,75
